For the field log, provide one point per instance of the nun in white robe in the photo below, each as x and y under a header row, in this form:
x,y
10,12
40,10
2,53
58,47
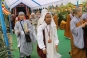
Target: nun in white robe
x,y
25,47
50,47
40,21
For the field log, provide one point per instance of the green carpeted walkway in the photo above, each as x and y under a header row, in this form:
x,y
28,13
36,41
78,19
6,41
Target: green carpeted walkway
x,y
64,46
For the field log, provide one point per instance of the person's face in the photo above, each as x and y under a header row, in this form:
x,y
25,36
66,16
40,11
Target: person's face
x,y
80,13
32,16
71,11
21,17
48,18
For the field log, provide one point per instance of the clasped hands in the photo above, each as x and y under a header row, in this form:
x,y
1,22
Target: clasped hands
x,y
83,25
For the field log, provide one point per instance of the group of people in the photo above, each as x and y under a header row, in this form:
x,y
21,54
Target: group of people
x,y
43,29
33,18
38,28
76,26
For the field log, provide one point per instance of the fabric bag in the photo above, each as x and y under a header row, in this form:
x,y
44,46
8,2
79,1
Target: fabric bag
x,y
27,36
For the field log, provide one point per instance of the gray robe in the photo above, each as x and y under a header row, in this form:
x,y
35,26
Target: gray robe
x,y
84,16
25,47
77,33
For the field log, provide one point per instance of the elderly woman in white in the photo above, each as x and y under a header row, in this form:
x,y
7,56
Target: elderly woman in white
x,y
22,27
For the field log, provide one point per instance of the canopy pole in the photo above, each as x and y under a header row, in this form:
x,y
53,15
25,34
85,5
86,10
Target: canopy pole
x,y
10,24
26,10
4,27
9,16
77,3
15,11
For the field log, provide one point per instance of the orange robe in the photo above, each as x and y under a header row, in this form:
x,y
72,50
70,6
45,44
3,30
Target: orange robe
x,y
62,25
55,17
76,52
67,28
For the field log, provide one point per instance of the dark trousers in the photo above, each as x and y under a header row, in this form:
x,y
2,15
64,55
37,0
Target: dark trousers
x,y
85,44
86,53
40,53
26,56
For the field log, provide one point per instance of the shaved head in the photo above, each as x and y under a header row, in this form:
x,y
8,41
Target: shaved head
x,y
77,10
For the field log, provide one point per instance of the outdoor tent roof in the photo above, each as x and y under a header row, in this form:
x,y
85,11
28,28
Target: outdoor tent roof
x,y
33,4
30,3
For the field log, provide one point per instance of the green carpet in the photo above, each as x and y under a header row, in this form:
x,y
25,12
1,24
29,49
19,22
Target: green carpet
x,y
64,46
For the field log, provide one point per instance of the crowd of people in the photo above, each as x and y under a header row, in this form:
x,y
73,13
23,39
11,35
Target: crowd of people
x,y
75,30
42,28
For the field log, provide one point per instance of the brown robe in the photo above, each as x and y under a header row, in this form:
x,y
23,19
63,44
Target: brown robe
x,y
55,17
67,28
62,25
40,51
76,52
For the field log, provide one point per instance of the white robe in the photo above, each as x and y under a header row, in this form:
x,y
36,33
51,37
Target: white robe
x,y
50,47
25,47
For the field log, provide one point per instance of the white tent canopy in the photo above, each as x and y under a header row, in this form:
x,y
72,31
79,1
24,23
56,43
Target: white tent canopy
x,y
34,4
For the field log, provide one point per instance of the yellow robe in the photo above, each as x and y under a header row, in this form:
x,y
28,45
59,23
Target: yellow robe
x,y
56,20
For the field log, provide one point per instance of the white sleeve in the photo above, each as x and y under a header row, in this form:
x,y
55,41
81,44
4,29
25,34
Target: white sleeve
x,y
40,38
16,28
56,38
